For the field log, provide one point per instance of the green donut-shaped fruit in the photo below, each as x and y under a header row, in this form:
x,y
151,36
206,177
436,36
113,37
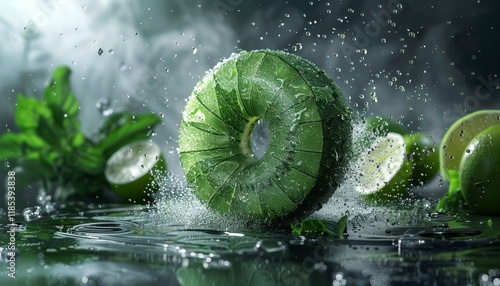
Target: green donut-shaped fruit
x,y
309,136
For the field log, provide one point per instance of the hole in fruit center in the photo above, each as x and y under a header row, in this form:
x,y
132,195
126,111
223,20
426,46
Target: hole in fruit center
x,y
259,138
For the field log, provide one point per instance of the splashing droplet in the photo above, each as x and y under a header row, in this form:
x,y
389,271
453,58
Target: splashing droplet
x,y
104,106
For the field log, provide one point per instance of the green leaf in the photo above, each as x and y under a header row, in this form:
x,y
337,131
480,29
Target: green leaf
x,y
64,107
29,111
453,200
59,97
14,145
87,158
313,227
336,229
49,133
124,128
309,227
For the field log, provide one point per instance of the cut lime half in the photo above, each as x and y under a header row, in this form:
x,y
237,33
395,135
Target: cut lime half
x,y
460,134
382,169
130,170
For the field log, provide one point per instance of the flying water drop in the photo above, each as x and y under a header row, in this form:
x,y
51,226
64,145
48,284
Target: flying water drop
x,y
104,106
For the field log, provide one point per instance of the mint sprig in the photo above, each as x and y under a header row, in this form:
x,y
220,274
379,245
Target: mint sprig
x,y
51,147
453,200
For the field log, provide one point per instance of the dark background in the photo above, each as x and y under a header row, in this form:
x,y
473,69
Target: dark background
x,y
424,62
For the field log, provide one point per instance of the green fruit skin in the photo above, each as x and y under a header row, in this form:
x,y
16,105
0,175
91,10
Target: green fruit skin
x,y
141,190
479,172
451,159
423,155
310,130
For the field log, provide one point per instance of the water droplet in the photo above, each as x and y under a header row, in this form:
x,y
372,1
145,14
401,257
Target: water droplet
x,y
100,52
111,51
194,50
104,106
32,213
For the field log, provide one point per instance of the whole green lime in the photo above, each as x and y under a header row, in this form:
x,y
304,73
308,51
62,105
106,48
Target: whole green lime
x,y
479,172
424,157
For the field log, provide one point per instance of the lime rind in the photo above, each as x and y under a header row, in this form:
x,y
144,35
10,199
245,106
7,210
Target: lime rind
x,y
459,135
479,170
423,155
130,170
309,137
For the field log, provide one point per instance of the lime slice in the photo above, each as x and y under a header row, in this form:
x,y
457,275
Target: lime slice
x,y
130,170
383,171
460,134
479,171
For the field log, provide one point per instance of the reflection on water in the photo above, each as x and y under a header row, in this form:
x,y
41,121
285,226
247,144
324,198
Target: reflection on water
x,y
124,245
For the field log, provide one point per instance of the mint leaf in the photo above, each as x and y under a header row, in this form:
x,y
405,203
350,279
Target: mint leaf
x,y
87,158
313,227
64,107
59,97
309,227
29,111
16,145
453,199
124,128
336,229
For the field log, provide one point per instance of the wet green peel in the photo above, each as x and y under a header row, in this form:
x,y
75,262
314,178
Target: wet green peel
x,y
309,137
